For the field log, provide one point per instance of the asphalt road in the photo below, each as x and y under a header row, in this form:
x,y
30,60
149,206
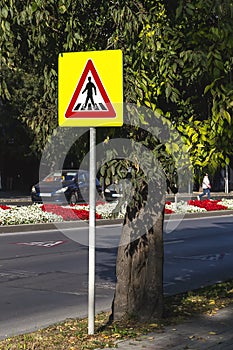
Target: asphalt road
x,y
198,253
44,275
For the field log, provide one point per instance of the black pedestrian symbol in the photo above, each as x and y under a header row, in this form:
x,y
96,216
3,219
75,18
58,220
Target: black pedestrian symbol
x,y
89,88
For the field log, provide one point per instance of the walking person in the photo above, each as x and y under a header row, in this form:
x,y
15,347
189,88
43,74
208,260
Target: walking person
x,y
89,88
206,186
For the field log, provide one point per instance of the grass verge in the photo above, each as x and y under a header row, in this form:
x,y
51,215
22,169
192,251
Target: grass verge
x,y
72,334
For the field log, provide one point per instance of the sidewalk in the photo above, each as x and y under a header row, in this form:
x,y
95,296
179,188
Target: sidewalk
x,y
199,333
14,197
17,196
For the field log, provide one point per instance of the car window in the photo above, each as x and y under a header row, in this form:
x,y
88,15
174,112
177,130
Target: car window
x,y
69,176
79,177
53,177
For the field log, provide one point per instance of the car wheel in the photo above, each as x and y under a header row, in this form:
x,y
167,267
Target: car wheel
x,y
74,198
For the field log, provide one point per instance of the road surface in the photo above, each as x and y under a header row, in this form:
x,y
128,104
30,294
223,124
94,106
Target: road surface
x,y
44,274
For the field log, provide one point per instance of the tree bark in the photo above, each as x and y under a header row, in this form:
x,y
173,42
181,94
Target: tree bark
x,y
139,266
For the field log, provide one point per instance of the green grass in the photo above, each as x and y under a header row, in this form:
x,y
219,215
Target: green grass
x,y
72,334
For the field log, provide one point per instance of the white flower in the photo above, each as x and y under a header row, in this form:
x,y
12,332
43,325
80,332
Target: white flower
x,y
184,207
106,210
227,202
26,215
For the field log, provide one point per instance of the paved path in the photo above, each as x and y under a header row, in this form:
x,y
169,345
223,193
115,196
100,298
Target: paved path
x,y
199,333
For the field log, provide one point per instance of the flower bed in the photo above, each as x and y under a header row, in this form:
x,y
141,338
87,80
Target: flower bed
x,y
194,206
36,213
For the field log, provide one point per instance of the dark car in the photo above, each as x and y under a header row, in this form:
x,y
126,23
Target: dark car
x,y
112,193
63,186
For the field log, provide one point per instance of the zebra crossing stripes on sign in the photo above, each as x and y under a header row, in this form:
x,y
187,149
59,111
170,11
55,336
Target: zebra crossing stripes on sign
x,y
96,107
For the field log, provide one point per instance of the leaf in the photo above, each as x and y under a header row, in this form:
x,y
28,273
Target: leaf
x,y
4,12
189,11
107,181
34,7
227,116
207,88
102,170
179,11
168,91
62,9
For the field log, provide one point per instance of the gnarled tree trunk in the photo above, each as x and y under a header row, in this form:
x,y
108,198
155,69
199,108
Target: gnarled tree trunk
x,y
139,267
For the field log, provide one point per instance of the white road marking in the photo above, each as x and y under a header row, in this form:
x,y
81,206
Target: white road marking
x,y
174,242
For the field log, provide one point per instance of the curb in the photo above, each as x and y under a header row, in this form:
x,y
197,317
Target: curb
x,y
55,226
207,214
78,224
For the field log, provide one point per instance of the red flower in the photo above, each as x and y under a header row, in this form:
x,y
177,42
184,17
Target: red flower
x,y
4,207
168,211
207,204
67,213
168,203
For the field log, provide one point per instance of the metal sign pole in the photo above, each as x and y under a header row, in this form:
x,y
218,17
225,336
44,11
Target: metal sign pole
x,y
227,180
92,211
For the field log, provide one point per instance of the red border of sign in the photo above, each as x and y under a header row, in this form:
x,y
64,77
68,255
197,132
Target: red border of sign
x,y
109,113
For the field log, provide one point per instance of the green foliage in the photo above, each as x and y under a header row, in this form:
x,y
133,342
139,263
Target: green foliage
x,y
177,61
181,62
32,34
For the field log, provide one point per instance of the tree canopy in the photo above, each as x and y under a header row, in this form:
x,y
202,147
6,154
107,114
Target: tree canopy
x,y
177,61
181,67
